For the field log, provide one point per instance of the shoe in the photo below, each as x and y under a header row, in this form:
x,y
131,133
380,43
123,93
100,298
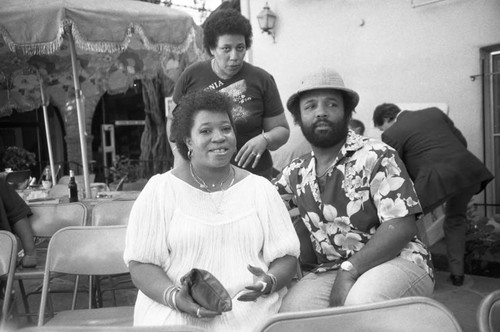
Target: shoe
x,y
29,261
457,280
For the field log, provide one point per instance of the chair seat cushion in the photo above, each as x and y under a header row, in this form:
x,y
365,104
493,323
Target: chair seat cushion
x,y
112,316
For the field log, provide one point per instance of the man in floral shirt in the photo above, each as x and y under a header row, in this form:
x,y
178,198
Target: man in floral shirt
x,y
354,196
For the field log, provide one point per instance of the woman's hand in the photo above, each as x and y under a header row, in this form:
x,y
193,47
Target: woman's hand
x,y
261,286
186,304
251,152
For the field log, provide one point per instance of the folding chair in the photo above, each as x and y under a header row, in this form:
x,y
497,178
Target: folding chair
x,y
90,251
110,213
8,254
78,178
409,314
488,313
164,328
45,221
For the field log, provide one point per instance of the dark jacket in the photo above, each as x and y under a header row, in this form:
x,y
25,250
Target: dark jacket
x,y
436,156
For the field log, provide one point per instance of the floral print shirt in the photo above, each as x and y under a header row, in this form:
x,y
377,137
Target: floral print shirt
x,y
366,185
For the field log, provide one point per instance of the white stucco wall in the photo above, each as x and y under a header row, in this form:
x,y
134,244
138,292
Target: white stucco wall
x,y
386,50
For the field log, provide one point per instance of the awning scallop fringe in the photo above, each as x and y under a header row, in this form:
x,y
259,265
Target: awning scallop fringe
x,y
34,48
97,47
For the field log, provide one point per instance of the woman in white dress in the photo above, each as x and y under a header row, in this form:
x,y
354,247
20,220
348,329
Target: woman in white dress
x,y
211,215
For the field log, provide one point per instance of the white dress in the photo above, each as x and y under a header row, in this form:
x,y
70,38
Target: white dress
x,y
179,227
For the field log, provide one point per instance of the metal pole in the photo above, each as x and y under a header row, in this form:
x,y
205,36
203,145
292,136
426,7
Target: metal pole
x,y
47,132
81,116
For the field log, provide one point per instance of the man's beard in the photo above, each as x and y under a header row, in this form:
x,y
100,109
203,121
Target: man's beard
x,y
325,138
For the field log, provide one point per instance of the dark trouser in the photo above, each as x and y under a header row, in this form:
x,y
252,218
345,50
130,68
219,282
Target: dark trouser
x,y
455,227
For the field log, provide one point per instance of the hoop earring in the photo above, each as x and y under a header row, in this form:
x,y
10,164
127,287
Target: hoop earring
x,y
190,154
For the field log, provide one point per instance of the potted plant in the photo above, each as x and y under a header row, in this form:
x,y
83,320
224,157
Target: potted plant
x,y
17,159
482,244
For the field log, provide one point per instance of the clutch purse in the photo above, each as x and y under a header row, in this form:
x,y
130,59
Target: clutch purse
x,y
207,291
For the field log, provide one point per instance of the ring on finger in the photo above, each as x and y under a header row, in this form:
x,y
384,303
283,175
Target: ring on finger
x,y
264,285
198,312
257,155
253,154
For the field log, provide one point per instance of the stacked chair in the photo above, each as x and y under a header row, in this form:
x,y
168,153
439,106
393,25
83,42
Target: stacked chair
x,y
8,254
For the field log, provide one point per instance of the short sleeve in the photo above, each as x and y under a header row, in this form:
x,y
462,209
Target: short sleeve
x,y
273,105
146,239
280,238
391,187
14,206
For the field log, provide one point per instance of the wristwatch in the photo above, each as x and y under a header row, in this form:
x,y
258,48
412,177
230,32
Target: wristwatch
x,y
346,266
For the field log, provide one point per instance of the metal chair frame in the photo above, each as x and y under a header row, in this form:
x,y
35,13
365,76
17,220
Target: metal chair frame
x,y
488,312
409,314
111,213
8,254
45,221
91,251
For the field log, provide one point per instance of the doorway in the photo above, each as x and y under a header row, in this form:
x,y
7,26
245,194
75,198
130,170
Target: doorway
x,y
490,57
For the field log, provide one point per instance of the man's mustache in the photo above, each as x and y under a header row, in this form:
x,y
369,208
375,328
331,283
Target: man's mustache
x,y
323,122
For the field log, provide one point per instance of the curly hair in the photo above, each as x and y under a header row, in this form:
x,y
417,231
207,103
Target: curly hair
x,y
383,112
189,106
226,22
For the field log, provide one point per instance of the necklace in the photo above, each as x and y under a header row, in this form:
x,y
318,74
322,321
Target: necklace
x,y
203,185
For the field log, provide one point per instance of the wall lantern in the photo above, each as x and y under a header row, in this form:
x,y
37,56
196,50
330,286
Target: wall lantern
x,y
267,20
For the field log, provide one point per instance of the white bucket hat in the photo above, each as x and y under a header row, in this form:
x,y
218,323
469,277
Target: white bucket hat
x,y
324,78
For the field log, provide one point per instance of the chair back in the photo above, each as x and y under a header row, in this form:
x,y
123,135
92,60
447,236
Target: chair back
x,y
163,328
49,218
488,313
87,251
84,250
405,314
59,190
109,213
78,178
8,254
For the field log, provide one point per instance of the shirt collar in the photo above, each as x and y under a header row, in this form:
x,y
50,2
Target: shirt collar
x,y
353,143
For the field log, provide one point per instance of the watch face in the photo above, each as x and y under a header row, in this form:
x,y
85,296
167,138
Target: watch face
x,y
346,266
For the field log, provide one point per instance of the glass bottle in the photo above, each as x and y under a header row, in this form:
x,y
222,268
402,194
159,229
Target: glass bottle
x,y
72,187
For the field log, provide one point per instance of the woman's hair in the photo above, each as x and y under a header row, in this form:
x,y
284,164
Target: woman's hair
x,y
225,22
189,106
383,112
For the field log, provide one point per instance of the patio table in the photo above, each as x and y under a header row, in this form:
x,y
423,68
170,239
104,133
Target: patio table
x,y
40,196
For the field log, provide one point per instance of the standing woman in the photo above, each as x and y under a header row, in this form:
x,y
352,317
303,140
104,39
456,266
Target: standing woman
x,y
259,116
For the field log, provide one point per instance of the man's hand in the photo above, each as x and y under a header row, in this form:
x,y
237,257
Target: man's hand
x,y
341,287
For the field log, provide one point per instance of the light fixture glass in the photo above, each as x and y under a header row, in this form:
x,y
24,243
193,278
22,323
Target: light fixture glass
x,y
267,20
